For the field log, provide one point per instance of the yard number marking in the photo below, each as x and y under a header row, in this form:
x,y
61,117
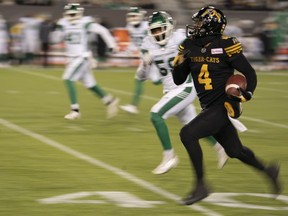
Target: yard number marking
x,y
120,198
127,200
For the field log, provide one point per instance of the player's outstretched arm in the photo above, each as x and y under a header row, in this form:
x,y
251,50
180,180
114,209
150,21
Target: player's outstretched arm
x,y
105,35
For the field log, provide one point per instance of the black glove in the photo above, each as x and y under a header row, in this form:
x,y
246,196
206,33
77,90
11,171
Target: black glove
x,y
245,96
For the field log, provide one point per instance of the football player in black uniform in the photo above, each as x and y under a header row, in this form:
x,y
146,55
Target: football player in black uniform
x,y
211,58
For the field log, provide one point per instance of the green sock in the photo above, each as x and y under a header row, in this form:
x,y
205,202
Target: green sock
x,y
138,91
71,91
162,130
98,91
211,140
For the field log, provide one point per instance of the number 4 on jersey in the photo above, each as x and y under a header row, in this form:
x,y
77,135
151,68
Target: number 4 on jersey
x,y
203,77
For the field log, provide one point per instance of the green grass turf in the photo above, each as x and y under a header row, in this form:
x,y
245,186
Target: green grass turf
x,y
42,155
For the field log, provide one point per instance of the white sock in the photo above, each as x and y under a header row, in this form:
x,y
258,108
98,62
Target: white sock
x,y
168,154
75,106
107,99
218,147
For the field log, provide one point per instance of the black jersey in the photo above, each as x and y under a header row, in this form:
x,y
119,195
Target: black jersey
x,y
212,64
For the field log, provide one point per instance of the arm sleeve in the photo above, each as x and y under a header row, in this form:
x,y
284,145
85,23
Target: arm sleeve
x,y
57,35
242,65
180,72
104,33
239,62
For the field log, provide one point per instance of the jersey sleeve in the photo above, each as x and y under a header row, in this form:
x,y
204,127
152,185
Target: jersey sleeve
x,y
182,46
57,35
142,72
182,70
234,52
232,47
145,45
103,32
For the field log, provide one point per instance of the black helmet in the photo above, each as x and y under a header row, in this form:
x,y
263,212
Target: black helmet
x,y
207,21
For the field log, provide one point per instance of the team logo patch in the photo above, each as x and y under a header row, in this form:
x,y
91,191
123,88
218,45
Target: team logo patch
x,y
217,51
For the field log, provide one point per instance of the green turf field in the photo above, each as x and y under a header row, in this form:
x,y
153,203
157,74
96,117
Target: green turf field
x,y
96,167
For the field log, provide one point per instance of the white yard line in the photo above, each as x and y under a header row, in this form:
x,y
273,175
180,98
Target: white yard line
x,y
265,122
272,73
98,163
273,90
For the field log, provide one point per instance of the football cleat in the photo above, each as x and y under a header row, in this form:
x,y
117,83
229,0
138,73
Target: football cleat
x,y
130,108
222,158
166,165
272,172
72,115
112,108
200,192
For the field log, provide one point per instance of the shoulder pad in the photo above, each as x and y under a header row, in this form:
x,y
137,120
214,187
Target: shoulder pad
x,y
61,21
145,23
231,45
88,19
180,34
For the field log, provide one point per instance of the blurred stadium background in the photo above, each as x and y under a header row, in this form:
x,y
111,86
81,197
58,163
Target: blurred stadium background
x,y
263,24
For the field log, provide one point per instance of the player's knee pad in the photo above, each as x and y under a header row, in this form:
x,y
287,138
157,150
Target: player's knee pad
x,y
156,118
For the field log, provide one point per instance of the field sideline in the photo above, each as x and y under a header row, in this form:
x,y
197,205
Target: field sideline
x,y
96,166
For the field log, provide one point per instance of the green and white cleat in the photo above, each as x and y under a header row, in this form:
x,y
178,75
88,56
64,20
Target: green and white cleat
x,y
112,108
130,109
72,115
166,165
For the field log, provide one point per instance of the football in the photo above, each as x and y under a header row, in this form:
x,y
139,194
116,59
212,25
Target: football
x,y
233,84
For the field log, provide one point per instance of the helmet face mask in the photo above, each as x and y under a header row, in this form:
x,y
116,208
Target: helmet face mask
x,y
161,26
135,16
73,12
206,22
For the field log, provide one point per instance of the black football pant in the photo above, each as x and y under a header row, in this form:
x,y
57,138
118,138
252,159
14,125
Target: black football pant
x,y
214,121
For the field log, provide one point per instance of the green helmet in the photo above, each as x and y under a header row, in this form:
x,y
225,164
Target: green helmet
x,y
161,26
135,15
73,11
